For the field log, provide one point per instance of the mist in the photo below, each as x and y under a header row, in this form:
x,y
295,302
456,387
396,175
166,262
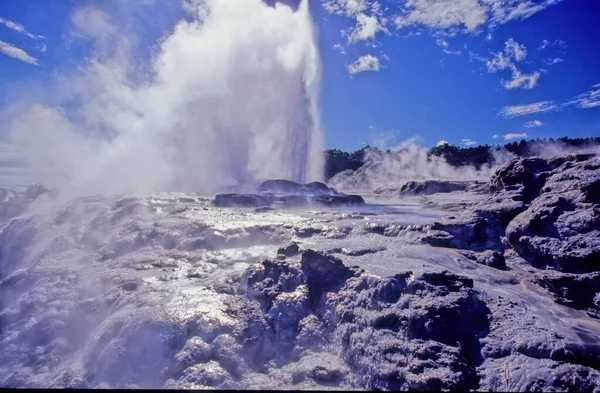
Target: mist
x,y
405,162
230,98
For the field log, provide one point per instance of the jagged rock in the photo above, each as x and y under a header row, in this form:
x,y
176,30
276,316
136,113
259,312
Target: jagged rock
x,y
323,272
546,209
402,332
561,226
580,291
290,250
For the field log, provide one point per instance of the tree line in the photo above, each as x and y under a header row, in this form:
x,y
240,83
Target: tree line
x,y
337,161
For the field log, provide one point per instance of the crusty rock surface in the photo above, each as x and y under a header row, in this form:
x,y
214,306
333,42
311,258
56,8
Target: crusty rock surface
x,y
431,331
548,211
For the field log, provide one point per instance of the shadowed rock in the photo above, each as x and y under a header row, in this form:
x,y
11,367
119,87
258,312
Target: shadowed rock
x,y
429,187
289,194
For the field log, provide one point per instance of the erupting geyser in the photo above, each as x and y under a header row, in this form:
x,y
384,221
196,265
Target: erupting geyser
x,y
230,98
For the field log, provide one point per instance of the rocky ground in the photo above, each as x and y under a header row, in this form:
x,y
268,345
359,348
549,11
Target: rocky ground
x,y
302,287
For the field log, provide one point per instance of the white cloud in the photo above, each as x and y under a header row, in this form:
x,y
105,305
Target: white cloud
x,y
19,28
451,52
515,50
91,22
527,81
17,53
340,48
442,143
554,61
442,43
468,142
510,137
495,136
503,60
512,53
544,44
533,123
443,14
364,63
522,110
366,28
589,99
450,15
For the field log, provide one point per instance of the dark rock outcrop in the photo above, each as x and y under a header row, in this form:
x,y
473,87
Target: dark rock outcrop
x,y
242,200
429,187
548,211
398,333
287,193
489,258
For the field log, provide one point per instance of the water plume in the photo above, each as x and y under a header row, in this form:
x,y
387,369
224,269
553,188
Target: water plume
x,y
230,98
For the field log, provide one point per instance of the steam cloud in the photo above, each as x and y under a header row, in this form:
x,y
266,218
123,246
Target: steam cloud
x,y
230,98
406,162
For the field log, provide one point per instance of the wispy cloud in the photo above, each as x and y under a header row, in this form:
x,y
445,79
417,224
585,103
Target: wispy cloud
x,y
510,137
512,53
91,22
546,44
442,43
527,81
17,53
468,142
554,61
589,99
364,63
19,28
495,136
340,48
522,110
533,123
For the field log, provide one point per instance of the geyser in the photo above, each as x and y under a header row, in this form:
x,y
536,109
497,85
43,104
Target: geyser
x,y
230,98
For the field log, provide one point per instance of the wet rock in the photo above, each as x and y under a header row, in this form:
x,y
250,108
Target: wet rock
x,y
489,258
429,187
290,250
241,200
280,186
288,194
338,200
561,227
402,332
580,291
265,281
544,208
323,272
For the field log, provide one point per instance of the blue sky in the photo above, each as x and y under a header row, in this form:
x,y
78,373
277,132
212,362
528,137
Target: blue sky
x,y
465,71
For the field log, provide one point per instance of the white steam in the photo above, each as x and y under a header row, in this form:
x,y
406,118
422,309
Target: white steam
x,y
231,98
404,163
